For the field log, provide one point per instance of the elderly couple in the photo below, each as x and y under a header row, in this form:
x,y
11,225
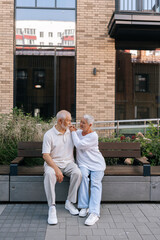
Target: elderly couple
x,y
58,144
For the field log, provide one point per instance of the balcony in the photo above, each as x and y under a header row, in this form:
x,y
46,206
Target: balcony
x,y
136,22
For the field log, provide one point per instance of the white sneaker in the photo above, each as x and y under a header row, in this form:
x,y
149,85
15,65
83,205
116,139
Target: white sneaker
x,y
92,219
52,216
83,212
71,208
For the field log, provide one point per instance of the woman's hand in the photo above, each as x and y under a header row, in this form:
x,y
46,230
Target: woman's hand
x,y
72,128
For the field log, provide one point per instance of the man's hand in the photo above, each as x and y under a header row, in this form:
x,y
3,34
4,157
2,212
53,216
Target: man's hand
x,y
51,163
59,175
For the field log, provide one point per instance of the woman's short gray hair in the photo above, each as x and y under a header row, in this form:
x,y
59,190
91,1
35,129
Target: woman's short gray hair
x,y
89,118
63,114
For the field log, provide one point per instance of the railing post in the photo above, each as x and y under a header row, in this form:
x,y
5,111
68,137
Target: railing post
x,y
138,5
117,5
117,128
145,128
158,126
146,170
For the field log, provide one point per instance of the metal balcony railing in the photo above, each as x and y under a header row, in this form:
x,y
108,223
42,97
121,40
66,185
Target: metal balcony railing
x,y
123,127
149,6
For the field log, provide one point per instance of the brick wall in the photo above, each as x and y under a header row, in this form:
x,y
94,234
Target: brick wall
x,y
95,94
6,55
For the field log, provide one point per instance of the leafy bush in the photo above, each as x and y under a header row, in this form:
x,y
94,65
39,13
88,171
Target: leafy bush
x,y
150,145
16,127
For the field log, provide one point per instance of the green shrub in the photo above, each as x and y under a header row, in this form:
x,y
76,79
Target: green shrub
x,y
16,127
150,145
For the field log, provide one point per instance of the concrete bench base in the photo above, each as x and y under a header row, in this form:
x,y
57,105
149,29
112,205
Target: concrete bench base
x,y
31,189
4,188
115,189
126,188
155,188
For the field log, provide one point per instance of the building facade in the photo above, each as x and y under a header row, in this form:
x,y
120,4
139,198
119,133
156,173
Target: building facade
x,y
86,56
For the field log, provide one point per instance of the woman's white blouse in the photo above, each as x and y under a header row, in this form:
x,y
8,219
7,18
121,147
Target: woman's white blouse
x,y
88,154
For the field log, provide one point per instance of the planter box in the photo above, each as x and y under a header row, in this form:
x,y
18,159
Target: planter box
x,y
4,188
115,189
126,188
155,188
31,189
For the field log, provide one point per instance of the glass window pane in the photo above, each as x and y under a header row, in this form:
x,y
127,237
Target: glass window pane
x,y
33,27
25,3
66,3
46,3
45,14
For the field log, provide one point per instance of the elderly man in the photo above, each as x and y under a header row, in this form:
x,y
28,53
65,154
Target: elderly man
x,y
57,152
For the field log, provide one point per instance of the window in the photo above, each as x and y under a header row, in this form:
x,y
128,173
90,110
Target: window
x,y
41,34
29,31
50,34
45,3
59,34
19,31
142,112
69,32
150,53
141,82
19,41
38,78
49,75
21,86
29,41
66,3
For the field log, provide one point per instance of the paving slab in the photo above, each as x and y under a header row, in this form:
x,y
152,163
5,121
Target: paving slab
x,y
128,221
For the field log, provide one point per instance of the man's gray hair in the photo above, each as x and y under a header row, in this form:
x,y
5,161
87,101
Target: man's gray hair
x,y
89,118
63,114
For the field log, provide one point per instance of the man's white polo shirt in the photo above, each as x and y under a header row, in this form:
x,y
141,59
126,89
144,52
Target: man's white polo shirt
x,y
59,146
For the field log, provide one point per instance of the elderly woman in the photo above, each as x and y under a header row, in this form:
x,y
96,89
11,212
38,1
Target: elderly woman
x,y
91,163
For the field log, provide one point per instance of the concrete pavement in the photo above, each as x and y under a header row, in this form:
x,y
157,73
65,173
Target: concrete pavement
x,y
128,221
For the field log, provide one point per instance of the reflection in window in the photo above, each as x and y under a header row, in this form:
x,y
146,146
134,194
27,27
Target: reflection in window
x,y
66,3
41,34
120,111
25,3
50,34
38,79
59,34
142,112
19,31
45,14
139,5
21,83
45,3
141,84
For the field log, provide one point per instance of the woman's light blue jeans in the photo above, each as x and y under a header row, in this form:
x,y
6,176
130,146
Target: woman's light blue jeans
x,y
92,200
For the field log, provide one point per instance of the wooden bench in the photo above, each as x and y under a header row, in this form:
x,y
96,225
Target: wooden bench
x,y
124,150
108,150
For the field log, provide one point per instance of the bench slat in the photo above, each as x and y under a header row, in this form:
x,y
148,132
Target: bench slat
x,y
30,145
116,154
30,153
122,170
118,145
